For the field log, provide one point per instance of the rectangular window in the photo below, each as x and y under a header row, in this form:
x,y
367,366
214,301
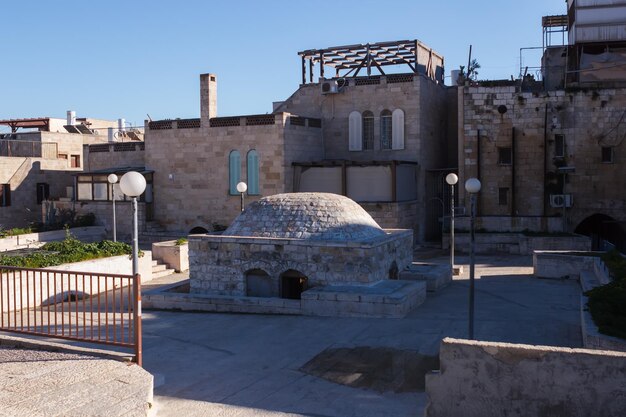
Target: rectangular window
x,y
75,161
43,192
84,191
5,195
504,156
559,146
607,154
503,196
368,130
100,191
62,156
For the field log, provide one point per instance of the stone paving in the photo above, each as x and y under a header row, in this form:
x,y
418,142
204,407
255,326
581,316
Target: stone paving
x,y
250,365
41,383
235,365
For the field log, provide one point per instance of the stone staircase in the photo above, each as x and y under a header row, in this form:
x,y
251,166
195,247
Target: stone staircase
x,y
160,270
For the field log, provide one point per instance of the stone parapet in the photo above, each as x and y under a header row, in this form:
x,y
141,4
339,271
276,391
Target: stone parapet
x,y
484,379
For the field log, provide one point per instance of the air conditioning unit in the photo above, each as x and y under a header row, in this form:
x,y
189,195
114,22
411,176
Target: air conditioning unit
x,y
329,86
560,200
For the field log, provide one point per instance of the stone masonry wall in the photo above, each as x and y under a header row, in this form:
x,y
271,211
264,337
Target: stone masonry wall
x,y
218,264
485,379
425,124
402,215
588,120
191,177
123,154
23,174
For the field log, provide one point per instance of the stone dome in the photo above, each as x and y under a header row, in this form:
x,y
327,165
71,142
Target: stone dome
x,y
313,216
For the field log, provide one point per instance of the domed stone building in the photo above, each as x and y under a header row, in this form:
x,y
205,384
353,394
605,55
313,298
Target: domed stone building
x,y
302,250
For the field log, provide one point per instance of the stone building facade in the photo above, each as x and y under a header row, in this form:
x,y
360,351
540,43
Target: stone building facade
x,y
326,239
193,179
302,146
530,148
305,253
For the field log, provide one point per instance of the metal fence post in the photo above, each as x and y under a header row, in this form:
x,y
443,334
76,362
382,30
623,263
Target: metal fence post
x,y
137,319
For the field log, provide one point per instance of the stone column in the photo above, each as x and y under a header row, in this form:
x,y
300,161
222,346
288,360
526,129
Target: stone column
x,y
208,97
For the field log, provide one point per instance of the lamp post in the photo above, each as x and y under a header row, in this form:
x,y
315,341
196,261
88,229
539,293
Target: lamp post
x,y
133,185
242,187
472,186
112,178
452,179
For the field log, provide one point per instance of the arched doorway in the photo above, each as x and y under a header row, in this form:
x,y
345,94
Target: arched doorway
x,y
198,230
292,284
393,271
600,227
259,284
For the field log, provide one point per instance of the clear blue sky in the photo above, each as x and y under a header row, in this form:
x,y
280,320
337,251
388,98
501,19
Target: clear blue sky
x,y
110,59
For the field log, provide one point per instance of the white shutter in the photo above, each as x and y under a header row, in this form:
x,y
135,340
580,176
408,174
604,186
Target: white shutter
x,y
355,125
397,129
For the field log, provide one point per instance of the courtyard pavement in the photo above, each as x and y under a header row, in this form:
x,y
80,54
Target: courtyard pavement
x,y
237,365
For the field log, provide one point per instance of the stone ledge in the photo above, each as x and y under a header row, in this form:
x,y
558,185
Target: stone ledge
x,y
435,276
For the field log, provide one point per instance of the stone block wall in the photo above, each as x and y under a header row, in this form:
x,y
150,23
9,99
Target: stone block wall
x,y
424,103
402,215
486,379
23,175
112,155
588,120
191,179
218,264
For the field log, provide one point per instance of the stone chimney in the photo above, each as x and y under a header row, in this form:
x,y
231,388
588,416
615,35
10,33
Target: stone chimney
x,y
208,97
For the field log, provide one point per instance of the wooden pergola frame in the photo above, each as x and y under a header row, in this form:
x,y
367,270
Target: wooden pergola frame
x,y
353,58
42,123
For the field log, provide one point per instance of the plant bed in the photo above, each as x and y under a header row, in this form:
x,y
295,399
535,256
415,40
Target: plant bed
x,y
69,250
607,303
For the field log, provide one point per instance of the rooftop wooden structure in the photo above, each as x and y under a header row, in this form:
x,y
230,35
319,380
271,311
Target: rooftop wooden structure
x,y
349,60
41,123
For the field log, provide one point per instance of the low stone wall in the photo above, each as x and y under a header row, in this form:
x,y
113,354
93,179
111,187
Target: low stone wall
x,y
175,256
590,271
218,264
485,379
518,243
513,224
85,234
28,291
388,299
561,264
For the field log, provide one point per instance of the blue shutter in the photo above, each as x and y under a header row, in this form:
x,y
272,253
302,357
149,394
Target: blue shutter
x,y
253,172
234,170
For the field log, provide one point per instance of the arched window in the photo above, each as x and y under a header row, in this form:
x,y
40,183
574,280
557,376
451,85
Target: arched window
x,y
385,129
354,131
397,130
368,130
253,172
234,171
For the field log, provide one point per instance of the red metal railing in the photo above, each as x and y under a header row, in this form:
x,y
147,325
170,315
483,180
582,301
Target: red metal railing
x,y
82,306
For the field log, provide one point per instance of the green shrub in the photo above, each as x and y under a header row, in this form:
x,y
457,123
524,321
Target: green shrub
x,y
66,251
607,303
181,241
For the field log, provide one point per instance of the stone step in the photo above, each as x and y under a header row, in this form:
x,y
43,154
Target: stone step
x,y
158,268
162,273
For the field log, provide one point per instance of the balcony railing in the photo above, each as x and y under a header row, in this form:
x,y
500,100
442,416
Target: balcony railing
x,y
28,149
